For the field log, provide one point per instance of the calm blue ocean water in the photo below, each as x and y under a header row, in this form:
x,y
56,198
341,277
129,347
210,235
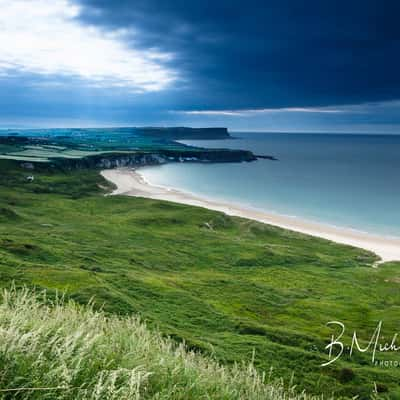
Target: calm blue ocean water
x,y
345,180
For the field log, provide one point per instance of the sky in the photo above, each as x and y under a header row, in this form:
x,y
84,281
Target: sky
x,y
269,65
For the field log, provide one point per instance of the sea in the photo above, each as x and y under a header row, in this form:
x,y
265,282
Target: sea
x,y
346,180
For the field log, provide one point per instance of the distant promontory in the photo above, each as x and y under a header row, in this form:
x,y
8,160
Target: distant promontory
x,y
117,147
184,133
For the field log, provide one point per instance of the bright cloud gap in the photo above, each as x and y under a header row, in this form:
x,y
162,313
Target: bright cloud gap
x,y
353,108
250,112
45,37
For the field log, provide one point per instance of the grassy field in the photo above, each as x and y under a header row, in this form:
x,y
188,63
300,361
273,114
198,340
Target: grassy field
x,y
46,145
226,286
66,351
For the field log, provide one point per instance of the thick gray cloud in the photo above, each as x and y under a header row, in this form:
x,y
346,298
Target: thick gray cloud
x,y
226,55
269,53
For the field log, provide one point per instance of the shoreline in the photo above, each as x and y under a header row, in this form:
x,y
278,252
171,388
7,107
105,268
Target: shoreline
x,y
130,182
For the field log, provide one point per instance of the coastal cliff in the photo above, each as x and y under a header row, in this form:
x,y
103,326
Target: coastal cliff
x,y
115,160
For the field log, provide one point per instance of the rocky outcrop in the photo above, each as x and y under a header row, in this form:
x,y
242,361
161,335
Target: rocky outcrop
x,y
116,161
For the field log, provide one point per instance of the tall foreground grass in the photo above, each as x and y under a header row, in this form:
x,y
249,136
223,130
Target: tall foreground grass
x,y
61,350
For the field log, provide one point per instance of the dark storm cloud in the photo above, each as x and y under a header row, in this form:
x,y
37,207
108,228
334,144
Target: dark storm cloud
x,y
267,53
276,65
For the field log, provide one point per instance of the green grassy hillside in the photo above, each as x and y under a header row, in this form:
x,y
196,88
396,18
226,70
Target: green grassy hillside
x,y
65,351
227,286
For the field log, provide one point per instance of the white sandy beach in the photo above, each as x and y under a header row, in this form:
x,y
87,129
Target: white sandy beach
x,y
129,182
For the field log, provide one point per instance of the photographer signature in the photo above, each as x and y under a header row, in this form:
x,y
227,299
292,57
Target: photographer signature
x,y
336,348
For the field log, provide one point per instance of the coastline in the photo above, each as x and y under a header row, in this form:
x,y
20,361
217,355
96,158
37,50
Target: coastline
x,y
129,182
